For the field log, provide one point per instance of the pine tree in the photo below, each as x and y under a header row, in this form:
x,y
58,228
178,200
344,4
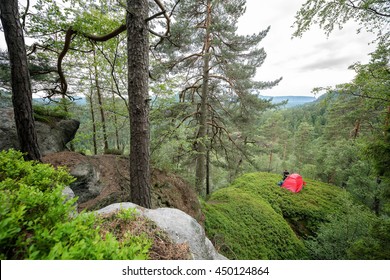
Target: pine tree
x,y
217,67
82,21
20,79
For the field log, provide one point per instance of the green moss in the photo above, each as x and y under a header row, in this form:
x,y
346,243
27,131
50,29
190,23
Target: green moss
x,y
256,219
49,114
244,227
312,205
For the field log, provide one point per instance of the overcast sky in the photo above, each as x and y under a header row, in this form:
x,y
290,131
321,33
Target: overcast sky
x,y
304,63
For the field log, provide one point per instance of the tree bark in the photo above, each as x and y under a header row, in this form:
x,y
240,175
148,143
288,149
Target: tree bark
x,y
138,75
100,101
208,186
115,117
92,114
93,125
20,79
200,180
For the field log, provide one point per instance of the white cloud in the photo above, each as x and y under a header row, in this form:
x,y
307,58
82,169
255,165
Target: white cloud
x,y
311,61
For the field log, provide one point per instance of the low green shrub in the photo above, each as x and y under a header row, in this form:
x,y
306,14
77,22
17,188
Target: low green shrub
x,y
376,245
254,218
246,227
305,211
335,237
37,222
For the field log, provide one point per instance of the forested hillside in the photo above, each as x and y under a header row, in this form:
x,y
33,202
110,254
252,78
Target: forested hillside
x,y
173,86
292,101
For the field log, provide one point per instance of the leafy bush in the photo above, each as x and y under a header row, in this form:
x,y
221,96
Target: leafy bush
x,y
36,220
376,245
335,237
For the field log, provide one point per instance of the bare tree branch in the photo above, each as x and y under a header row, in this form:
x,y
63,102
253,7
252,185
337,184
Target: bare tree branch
x,y
370,9
25,14
105,37
68,39
168,23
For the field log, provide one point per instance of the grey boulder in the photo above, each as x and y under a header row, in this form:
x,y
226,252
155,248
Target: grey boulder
x,y
180,227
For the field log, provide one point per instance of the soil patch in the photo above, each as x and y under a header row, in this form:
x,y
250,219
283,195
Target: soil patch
x,y
168,190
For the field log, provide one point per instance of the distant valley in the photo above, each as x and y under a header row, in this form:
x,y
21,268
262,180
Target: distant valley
x,y
293,101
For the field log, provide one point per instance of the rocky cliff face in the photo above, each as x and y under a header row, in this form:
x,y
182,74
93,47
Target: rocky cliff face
x,y
52,137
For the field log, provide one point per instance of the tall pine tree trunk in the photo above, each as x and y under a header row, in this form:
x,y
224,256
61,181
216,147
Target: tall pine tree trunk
x,y
20,79
92,115
93,124
115,117
100,101
202,134
138,75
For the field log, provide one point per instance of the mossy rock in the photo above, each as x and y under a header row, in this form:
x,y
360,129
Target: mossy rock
x,y
254,218
49,114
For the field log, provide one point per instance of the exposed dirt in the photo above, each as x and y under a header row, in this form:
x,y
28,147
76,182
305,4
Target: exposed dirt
x,y
168,190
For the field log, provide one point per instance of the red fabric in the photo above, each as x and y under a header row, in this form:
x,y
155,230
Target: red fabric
x,y
294,183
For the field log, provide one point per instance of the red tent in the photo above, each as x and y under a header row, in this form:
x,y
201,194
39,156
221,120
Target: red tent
x,y
294,183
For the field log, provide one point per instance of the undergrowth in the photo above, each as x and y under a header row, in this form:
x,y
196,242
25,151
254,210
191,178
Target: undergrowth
x,y
254,218
38,222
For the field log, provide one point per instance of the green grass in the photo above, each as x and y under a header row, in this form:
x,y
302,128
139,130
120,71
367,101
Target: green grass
x,y
254,218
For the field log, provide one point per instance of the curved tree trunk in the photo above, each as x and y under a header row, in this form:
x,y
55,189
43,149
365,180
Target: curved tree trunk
x,y
138,75
20,79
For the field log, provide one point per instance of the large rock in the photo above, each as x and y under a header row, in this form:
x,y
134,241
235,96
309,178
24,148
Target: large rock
x,y
180,227
8,136
69,194
87,185
52,137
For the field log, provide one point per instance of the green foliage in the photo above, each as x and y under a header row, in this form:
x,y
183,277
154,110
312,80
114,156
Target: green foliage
x,y
221,64
335,237
127,214
376,245
246,227
379,151
256,219
340,139
49,113
253,218
329,14
305,211
37,222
